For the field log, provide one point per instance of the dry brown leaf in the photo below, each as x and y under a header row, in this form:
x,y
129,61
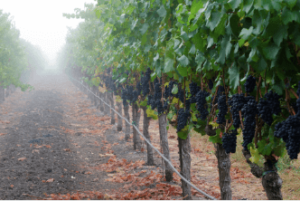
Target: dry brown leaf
x,y
35,151
50,180
67,150
88,173
22,159
12,186
2,134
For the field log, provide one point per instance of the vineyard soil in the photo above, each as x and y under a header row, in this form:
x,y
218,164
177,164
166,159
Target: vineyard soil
x,y
56,144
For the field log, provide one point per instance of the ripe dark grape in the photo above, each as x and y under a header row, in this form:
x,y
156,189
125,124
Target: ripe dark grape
x,y
150,97
166,92
139,88
182,119
229,141
166,105
222,105
145,82
193,99
298,107
249,111
298,90
210,84
289,131
264,111
236,102
273,101
157,89
201,104
250,84
180,95
159,106
221,91
194,88
187,105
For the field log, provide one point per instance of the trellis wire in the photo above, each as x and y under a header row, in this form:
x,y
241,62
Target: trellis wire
x,y
169,162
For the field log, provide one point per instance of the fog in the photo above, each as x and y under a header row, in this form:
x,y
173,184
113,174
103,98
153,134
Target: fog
x,y
42,22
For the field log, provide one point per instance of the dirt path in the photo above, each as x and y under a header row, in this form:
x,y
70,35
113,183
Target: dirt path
x,y
55,144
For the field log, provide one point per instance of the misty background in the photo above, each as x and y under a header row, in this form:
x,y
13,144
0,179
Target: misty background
x,y
42,23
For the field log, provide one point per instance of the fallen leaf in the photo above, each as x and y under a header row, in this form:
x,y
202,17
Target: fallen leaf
x,y
35,151
22,159
48,146
88,173
67,150
2,134
50,180
12,186
43,181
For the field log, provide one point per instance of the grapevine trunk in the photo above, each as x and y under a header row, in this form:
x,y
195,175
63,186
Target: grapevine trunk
x,y
271,181
127,125
163,132
137,143
112,105
120,122
185,166
224,165
150,157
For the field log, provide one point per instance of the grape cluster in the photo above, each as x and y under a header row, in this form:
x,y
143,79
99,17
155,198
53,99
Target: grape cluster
x,y
166,105
201,104
250,84
264,111
166,92
180,95
236,102
298,90
109,83
210,84
194,88
229,141
220,92
187,105
273,101
160,108
249,111
298,107
145,82
139,88
289,131
222,105
182,119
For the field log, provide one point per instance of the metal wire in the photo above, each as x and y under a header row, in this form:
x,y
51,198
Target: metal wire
x,y
169,162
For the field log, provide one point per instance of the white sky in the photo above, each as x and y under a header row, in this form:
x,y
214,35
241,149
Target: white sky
x,y
42,22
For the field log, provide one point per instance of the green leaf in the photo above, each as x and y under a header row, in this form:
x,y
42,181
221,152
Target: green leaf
x,y
214,20
235,3
183,134
288,16
291,3
144,28
162,11
271,51
196,5
262,64
245,33
175,89
234,76
247,5
280,34
183,60
182,71
169,65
